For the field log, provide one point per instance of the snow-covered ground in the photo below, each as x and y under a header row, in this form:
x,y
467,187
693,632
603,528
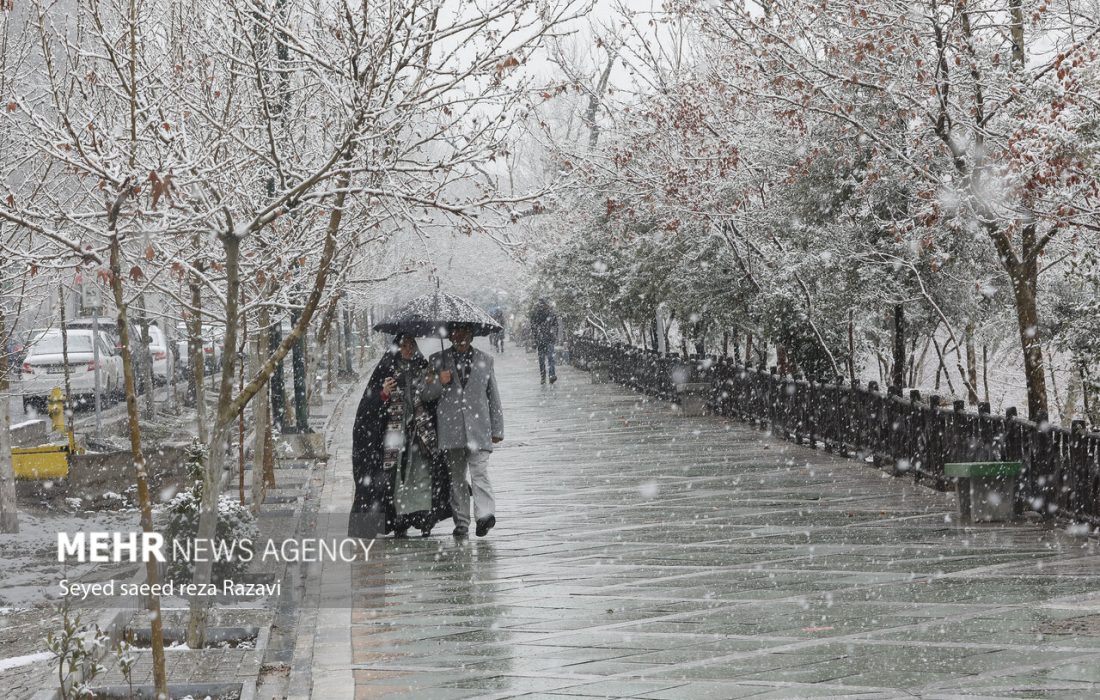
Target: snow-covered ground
x,y
29,586
29,558
25,660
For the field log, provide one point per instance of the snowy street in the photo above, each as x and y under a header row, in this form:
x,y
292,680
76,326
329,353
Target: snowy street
x,y
550,349
643,554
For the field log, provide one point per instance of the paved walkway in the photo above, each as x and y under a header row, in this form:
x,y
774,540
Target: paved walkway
x,y
643,554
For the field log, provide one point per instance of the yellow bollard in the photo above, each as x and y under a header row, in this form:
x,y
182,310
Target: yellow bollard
x,y
55,406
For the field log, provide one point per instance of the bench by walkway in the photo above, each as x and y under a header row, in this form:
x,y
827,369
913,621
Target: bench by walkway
x,y
643,554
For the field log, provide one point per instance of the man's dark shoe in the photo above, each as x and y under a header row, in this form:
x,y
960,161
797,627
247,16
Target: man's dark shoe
x,y
461,531
553,379
484,525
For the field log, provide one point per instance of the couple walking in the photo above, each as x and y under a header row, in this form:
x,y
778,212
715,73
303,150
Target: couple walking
x,y
422,429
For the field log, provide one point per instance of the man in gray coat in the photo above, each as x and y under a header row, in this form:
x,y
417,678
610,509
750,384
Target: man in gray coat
x,y
470,421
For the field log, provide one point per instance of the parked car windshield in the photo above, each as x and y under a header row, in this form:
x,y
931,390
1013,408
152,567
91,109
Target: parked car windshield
x,y
50,343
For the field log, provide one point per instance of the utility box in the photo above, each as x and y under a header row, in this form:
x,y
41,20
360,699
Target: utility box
x,y
987,490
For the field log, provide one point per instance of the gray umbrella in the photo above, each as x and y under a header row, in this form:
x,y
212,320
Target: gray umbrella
x,y
437,315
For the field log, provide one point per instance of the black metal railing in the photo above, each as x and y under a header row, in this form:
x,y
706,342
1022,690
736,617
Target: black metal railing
x,y
912,434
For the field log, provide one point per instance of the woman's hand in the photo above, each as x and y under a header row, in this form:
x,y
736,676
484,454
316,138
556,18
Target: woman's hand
x,y
388,387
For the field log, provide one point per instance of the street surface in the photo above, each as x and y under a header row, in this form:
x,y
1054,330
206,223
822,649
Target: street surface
x,y
642,554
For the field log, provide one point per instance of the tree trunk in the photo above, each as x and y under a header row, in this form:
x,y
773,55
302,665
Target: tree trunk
x,y
660,330
146,364
330,359
301,380
1016,13
215,462
1073,388
9,515
198,356
916,369
269,453
261,418
240,414
985,370
1054,386
364,337
278,382
349,368
851,347
897,374
971,366
152,575
1089,398
1024,278
173,367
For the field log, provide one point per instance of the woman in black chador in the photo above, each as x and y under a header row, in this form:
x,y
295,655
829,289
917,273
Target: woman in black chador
x,y
401,480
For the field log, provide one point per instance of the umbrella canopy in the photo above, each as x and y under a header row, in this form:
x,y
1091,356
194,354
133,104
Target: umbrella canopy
x,y
438,314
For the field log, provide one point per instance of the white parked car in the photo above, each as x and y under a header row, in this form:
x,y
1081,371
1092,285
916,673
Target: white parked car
x,y
108,327
44,368
158,348
211,349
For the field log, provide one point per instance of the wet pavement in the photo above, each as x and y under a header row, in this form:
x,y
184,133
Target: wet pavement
x,y
643,554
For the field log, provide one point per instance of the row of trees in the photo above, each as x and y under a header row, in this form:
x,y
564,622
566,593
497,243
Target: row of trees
x,y
246,159
848,183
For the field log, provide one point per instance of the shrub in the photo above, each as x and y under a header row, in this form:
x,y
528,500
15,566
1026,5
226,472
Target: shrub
x,y
236,523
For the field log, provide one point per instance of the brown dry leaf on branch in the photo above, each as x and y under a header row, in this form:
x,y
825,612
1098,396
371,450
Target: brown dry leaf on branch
x,y
160,186
510,62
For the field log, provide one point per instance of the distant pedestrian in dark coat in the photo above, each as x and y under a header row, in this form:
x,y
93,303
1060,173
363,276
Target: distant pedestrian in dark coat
x,y
544,331
497,339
